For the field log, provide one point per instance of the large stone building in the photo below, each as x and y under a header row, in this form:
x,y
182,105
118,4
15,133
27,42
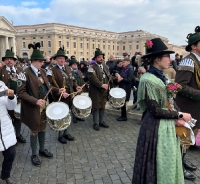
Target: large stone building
x,y
7,36
78,41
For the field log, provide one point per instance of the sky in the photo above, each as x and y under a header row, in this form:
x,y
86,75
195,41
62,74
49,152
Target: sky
x,y
173,19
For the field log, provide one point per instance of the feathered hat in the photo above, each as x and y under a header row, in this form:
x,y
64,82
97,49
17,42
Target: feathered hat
x,y
192,38
37,54
97,53
9,54
60,52
20,59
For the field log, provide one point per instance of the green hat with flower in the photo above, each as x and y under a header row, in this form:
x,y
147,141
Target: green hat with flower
x,y
60,52
37,54
9,54
192,38
98,52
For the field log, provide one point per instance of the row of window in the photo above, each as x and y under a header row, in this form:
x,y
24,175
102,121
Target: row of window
x,y
81,45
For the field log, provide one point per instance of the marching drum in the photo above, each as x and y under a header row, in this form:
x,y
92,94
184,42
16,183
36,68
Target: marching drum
x,y
117,97
82,106
17,111
58,116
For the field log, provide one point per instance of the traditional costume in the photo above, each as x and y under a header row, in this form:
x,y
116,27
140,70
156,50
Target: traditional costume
x,y
32,87
9,75
188,99
158,155
98,74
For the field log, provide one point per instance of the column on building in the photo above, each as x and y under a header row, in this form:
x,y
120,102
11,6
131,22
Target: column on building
x,y
6,43
2,48
13,44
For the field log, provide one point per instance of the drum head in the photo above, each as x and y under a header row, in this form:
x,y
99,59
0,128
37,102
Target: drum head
x,y
18,108
117,92
57,110
82,102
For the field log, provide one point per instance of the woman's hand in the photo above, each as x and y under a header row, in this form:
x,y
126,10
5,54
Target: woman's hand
x,y
186,116
180,122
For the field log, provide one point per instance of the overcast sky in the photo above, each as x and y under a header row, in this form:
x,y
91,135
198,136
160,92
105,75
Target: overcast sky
x,y
173,19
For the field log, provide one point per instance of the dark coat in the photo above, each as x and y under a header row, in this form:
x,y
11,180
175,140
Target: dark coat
x,y
188,99
126,83
97,94
28,93
5,75
79,79
57,80
111,65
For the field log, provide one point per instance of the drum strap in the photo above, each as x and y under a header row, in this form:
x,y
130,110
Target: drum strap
x,y
66,76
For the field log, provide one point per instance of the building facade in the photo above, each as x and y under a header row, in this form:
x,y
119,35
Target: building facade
x,y
78,41
7,36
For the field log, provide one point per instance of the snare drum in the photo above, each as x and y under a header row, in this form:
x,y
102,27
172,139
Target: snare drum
x,y
117,97
82,106
17,111
58,116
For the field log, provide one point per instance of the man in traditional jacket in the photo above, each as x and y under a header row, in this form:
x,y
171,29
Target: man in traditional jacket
x,y
188,76
78,76
22,63
8,74
98,76
61,77
32,88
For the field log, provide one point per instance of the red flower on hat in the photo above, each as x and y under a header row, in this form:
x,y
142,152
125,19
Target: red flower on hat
x,y
149,44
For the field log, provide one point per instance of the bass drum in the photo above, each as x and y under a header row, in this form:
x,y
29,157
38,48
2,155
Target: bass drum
x,y
58,116
82,106
117,97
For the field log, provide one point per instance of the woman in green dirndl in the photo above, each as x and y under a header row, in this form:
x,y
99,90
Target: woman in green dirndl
x,y
158,155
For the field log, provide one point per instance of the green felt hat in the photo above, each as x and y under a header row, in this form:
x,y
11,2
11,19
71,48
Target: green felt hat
x,y
192,38
97,53
72,61
37,54
9,54
60,52
20,59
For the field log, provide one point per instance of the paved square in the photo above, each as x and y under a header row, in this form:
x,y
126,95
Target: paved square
x,y
104,157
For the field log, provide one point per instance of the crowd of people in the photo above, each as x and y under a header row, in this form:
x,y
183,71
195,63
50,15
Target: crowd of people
x,y
159,157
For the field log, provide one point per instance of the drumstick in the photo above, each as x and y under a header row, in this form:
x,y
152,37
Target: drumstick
x,y
109,80
60,97
47,94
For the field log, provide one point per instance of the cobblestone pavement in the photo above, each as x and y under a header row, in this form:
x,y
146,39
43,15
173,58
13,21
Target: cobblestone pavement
x,y
104,157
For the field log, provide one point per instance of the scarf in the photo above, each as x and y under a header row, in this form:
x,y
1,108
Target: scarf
x,y
158,73
124,71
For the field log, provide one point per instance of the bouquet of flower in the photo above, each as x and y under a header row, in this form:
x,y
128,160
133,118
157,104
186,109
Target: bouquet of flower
x,y
148,44
173,88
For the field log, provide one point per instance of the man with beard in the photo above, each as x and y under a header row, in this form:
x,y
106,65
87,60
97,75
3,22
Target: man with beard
x,y
61,77
98,76
8,74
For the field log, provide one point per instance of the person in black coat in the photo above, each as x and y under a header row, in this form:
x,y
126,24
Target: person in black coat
x,y
125,79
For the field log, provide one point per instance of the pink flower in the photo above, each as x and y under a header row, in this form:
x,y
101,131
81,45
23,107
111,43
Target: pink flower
x,y
149,44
